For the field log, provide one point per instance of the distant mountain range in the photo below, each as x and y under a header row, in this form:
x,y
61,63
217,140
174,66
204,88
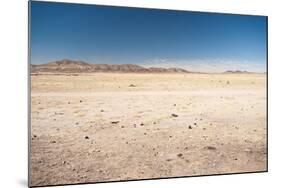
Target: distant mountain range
x,y
70,66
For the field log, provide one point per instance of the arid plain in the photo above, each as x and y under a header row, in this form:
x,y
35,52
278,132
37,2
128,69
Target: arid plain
x,y
96,127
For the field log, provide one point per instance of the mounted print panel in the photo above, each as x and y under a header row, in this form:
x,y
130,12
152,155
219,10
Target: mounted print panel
x,y
119,93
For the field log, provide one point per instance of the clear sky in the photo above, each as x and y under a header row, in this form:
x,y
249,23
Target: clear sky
x,y
148,37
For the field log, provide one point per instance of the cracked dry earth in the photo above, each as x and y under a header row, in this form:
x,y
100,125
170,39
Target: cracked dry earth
x,y
110,126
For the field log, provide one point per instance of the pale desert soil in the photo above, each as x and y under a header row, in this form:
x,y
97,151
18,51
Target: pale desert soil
x,y
109,126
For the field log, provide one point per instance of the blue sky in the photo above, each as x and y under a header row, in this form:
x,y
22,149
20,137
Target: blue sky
x,y
118,35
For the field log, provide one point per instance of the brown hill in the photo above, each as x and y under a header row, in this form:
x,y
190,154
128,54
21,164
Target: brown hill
x,y
70,66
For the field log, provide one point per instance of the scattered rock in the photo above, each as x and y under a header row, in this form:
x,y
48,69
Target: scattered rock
x,y
204,128
195,123
169,160
175,104
154,123
228,82
114,122
142,124
68,103
174,115
187,161
190,127
77,123
132,85
122,127
180,155
102,110
210,148
53,142
86,137
81,101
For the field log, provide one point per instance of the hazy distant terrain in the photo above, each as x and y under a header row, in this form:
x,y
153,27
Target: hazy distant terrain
x,y
97,122
65,66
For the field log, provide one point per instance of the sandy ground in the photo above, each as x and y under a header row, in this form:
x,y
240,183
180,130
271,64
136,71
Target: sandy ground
x,y
109,126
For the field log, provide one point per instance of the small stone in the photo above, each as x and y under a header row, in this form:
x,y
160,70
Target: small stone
x,y
81,101
86,137
180,155
53,142
190,127
210,148
115,122
174,115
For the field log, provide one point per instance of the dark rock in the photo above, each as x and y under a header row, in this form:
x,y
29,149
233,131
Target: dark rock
x,y
210,148
115,122
174,115
180,155
190,127
86,137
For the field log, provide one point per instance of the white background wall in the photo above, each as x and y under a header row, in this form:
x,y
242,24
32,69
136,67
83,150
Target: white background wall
x,y
13,86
